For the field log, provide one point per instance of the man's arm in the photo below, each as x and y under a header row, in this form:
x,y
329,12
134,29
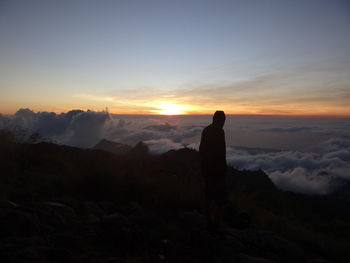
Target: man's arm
x,y
224,150
203,144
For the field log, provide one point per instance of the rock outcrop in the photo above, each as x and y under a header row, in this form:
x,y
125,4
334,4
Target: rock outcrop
x,y
53,231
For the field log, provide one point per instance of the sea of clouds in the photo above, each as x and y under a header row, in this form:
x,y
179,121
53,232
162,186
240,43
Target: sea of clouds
x,y
301,155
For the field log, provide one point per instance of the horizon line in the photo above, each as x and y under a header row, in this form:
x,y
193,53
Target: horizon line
x,y
202,114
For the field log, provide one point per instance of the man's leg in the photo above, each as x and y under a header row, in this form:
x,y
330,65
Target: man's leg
x,y
208,215
214,212
217,210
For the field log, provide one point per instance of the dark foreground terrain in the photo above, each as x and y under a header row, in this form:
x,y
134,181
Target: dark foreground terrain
x,y
64,204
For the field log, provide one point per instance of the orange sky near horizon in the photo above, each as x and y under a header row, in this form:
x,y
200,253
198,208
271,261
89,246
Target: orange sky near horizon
x,y
176,107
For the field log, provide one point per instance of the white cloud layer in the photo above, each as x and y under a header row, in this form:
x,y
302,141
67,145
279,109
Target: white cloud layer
x,y
317,172
304,172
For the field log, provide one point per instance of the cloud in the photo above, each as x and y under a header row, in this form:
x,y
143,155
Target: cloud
x,y
289,129
175,133
85,128
266,93
317,172
75,128
4,121
304,172
335,144
162,145
166,127
301,181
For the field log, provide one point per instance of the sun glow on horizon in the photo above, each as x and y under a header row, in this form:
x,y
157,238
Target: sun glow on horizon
x,y
168,108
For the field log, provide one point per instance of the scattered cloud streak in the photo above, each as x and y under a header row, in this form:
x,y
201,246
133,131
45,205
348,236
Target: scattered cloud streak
x,y
309,90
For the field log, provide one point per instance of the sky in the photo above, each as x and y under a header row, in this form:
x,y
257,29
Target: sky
x,y
176,57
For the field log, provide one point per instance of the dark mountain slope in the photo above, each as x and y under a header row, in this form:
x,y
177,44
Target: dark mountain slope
x,y
61,203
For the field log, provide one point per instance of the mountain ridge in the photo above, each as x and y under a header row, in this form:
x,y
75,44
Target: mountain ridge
x,y
130,204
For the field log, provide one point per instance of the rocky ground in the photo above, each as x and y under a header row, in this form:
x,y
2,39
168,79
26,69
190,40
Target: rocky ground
x,y
83,231
65,204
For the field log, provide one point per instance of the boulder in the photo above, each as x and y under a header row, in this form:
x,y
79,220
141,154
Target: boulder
x,y
146,221
66,211
240,220
265,244
192,220
235,244
116,230
115,220
68,241
58,254
94,209
53,221
243,258
16,222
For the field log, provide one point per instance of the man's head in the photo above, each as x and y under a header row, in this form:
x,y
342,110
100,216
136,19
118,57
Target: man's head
x,y
219,118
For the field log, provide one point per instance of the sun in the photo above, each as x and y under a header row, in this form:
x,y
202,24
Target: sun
x,y
167,108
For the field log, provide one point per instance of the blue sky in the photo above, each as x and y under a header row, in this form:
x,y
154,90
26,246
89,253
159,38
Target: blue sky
x,y
273,57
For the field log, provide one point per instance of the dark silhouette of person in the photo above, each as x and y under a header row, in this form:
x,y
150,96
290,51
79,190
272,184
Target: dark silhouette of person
x,y
212,151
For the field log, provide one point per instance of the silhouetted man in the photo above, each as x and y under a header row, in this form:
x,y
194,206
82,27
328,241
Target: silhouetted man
x,y
212,150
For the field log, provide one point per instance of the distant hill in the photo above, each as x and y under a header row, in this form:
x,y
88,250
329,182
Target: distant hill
x,y
112,147
343,191
140,150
